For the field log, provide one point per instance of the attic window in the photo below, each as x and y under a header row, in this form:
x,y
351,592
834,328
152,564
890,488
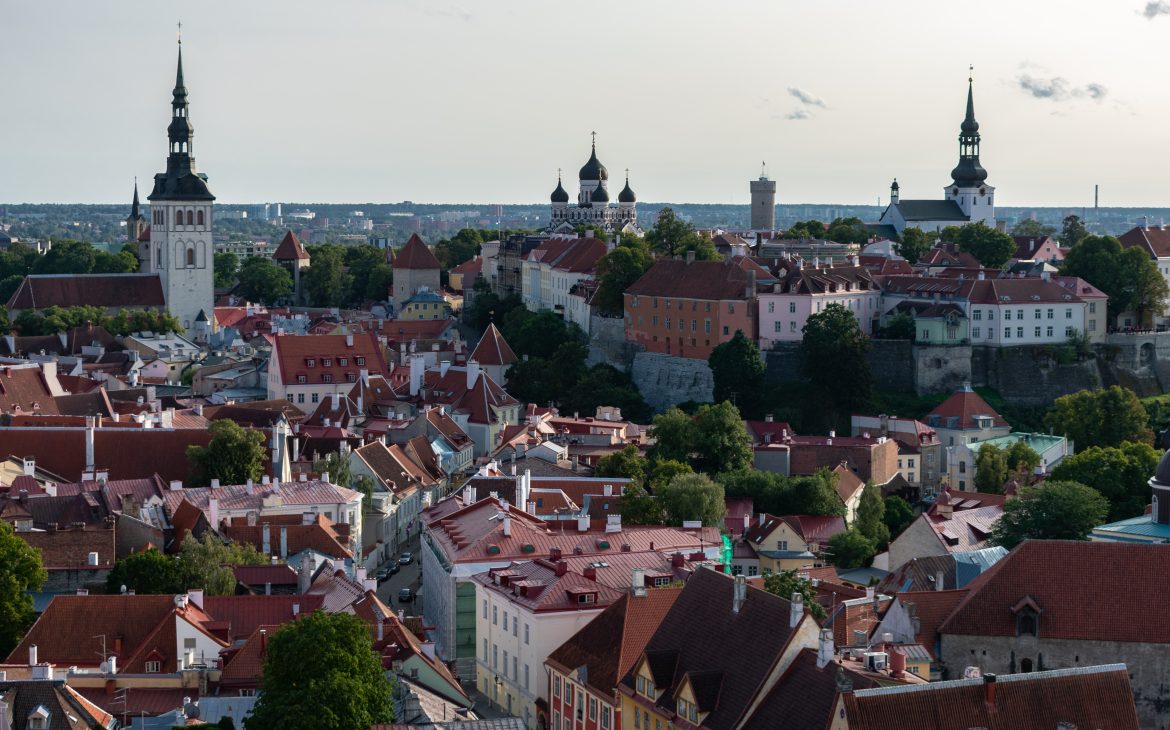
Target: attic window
x,y
587,598
326,362
351,377
360,360
343,361
326,378
310,362
153,667
526,548
302,379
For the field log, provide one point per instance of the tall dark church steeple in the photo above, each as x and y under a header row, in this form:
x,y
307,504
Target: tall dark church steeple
x,y
180,181
969,173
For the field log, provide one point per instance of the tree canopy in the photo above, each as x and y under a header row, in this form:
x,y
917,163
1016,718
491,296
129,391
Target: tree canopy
x,y
777,494
1055,510
913,243
55,320
991,469
1127,275
226,264
204,563
672,236
871,516
21,574
993,248
1106,417
899,515
233,456
1072,231
628,463
346,689
1121,474
617,270
787,582
721,440
327,282
738,372
851,549
834,349
263,280
1034,229
692,497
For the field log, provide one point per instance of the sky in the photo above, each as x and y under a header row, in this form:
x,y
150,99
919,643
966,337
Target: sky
x,y
481,101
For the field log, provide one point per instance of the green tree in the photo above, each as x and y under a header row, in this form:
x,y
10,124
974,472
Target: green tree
x,y
207,563
1054,510
67,257
379,281
899,327
326,282
617,270
233,456
913,243
721,439
602,385
1072,232
337,468
834,349
812,495
1032,229
899,515
871,516
738,371
264,280
146,572
639,507
114,263
851,549
1128,276
674,434
1106,417
347,688
226,265
810,229
993,248
367,267
663,470
848,230
1021,458
693,497
21,575
1145,287
1121,474
461,247
628,463
787,582
991,469
672,236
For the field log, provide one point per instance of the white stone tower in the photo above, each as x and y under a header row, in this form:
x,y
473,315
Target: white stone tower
x,y
969,188
181,250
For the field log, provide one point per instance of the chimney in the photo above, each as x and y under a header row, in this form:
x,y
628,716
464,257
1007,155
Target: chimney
x,y
532,508
30,467
938,581
677,560
507,522
113,663
796,613
989,689
32,655
638,582
283,542
304,574
738,592
583,523
590,572
761,519
213,511
444,366
690,257
747,521
825,649
472,373
336,401
263,642
562,568
469,495
554,554
417,366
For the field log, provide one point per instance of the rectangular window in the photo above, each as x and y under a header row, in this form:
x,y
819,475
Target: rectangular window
x,y
516,668
316,398
1037,332
557,687
1092,325
1020,332
962,467
592,708
485,608
1068,331
792,307
495,656
495,616
975,332
637,719
525,633
777,326
605,717
725,332
300,397
731,307
302,378
1092,307
1007,314
515,626
1068,313
792,326
360,360
485,651
505,620
978,315
707,326
525,676
1049,332
1037,314
153,667
1050,311
781,544
654,320
1019,314
771,307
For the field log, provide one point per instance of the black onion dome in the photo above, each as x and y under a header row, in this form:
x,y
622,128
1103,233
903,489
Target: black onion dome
x,y
627,195
559,195
593,169
599,195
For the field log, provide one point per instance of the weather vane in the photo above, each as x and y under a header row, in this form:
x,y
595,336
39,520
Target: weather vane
x,y
179,32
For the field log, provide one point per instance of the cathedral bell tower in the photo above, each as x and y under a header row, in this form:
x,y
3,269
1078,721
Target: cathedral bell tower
x,y
969,188
180,249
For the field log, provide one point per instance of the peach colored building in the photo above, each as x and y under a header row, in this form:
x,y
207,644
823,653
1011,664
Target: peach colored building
x,y
686,308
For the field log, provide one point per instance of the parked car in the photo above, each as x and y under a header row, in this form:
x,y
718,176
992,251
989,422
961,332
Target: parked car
x,y
383,574
405,595
406,559
394,568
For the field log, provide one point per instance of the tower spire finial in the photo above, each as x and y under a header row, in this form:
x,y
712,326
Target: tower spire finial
x,y
179,32
558,176
594,136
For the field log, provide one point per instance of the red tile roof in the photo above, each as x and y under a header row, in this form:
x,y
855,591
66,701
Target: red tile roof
x,y
709,280
493,349
290,249
320,535
1154,240
932,608
25,389
964,405
1085,697
1076,586
415,255
540,586
239,616
806,695
257,575
576,255
609,645
119,450
293,353
132,291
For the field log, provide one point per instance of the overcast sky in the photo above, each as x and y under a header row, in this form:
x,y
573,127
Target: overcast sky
x,y
482,100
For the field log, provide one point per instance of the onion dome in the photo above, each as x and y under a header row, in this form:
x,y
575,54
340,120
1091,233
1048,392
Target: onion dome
x,y
599,195
593,169
627,195
559,195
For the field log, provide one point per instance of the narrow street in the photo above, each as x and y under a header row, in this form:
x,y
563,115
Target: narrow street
x,y
410,576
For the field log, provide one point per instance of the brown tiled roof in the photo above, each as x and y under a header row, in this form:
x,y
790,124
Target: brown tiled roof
x,y
609,645
406,330
257,575
471,266
320,535
1076,586
120,450
67,708
256,413
239,616
815,529
290,249
292,353
133,291
1155,241
701,632
964,405
25,389
542,589
246,663
493,349
932,608
71,548
711,280
806,696
1084,697
848,483
577,255
1027,246
415,255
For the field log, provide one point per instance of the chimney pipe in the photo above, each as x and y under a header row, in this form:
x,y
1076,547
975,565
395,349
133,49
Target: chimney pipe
x,y
989,689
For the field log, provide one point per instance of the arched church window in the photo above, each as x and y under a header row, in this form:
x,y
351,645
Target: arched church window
x,y
191,256
178,217
199,217
190,218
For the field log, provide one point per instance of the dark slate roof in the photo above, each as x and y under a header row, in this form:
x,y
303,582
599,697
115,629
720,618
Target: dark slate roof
x,y
805,696
134,291
931,210
701,633
189,186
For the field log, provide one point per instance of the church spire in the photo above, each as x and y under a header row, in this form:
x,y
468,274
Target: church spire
x,y
969,173
134,207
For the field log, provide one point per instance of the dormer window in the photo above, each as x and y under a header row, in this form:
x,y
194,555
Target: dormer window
x,y
343,361
38,719
360,360
326,362
351,377
153,667
645,687
586,598
310,362
326,378
302,378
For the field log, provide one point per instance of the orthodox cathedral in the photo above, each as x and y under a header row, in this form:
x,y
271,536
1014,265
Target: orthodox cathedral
x,y
593,206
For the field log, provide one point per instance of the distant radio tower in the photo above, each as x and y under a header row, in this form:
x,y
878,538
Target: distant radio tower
x,y
1096,203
